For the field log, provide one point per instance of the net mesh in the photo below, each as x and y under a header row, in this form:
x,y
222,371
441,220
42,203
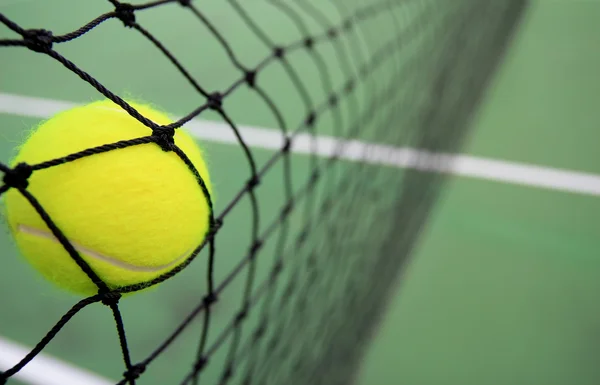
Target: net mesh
x,y
380,77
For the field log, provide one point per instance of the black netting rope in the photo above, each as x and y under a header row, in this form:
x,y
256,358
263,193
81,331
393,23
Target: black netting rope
x,y
364,260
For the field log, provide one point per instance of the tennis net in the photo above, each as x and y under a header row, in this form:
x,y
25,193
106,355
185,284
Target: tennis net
x,y
370,95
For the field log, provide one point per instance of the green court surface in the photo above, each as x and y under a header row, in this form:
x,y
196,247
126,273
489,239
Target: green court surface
x,y
504,285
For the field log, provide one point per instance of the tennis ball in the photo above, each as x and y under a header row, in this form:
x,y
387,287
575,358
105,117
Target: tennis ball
x,y
132,213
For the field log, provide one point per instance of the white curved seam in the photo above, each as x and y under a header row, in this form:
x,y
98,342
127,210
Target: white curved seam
x,y
101,257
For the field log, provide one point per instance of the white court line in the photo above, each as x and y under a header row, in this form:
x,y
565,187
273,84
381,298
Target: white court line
x,y
49,371
463,165
45,370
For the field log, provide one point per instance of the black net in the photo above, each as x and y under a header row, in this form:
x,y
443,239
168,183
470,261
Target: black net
x,y
383,78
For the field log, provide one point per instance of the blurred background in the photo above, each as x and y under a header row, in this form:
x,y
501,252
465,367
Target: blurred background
x,y
503,285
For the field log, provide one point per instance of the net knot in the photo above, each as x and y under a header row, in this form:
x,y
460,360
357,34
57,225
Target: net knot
x,y
255,246
38,40
110,297
18,177
260,331
309,42
286,145
310,119
200,364
333,100
272,343
165,137
227,373
218,223
302,236
185,3
209,299
278,52
349,86
250,78
215,101
125,13
289,290
135,372
277,268
286,210
315,177
241,315
253,182
332,33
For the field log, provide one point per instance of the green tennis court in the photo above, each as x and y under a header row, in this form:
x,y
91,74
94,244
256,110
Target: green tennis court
x,y
503,286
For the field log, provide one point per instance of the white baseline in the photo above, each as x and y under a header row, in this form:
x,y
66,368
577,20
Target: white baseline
x,y
45,370
265,138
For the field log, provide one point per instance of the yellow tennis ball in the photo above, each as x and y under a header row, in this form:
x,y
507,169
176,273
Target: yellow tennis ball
x,y
132,213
